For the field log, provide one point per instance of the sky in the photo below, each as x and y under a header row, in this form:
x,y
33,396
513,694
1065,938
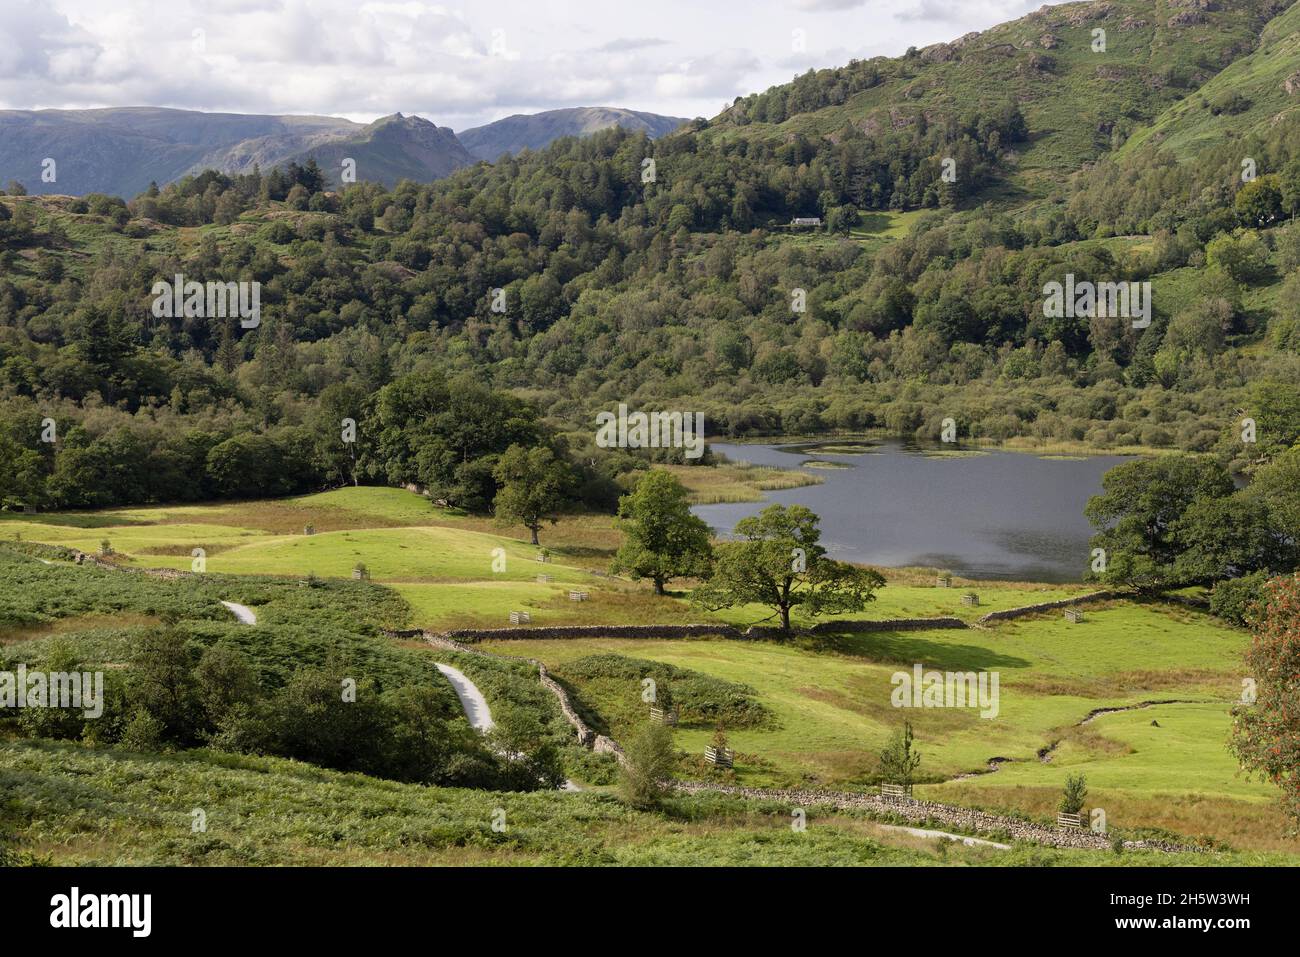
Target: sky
x,y
456,64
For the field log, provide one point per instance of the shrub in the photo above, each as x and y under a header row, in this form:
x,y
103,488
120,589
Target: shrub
x,y
898,762
1076,791
650,761
1233,599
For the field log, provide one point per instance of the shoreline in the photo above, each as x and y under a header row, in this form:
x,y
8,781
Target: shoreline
x,y
1050,449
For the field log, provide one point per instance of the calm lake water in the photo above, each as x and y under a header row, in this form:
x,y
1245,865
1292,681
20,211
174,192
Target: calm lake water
x,y
1003,515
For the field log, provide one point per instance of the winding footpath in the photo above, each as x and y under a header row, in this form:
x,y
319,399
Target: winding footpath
x,y
476,706
471,699
920,814
242,612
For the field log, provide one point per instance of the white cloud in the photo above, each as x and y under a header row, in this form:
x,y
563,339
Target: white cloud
x,y
824,6
457,65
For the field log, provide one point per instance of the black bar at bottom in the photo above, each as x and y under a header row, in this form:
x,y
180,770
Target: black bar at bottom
x,y
335,905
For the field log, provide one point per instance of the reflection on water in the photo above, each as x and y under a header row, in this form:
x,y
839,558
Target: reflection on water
x,y
992,515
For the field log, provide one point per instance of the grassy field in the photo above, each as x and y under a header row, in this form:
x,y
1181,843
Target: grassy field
x,y
831,713
825,700
72,805
832,704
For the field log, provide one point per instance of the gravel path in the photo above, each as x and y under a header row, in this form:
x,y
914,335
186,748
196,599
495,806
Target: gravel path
x,y
242,612
471,699
926,832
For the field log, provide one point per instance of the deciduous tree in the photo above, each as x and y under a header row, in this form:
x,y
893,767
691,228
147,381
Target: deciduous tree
x,y
780,563
533,486
1266,730
663,540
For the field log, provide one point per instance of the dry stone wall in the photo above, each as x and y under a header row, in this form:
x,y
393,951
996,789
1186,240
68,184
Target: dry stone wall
x,y
968,820
556,632
1044,606
895,624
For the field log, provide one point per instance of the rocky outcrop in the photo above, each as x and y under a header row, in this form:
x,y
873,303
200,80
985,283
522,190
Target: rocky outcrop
x,y
939,53
1094,11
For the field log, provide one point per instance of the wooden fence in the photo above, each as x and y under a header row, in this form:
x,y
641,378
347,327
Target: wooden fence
x,y
719,757
668,717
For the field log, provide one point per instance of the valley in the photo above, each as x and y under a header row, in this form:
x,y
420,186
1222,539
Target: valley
x,y
813,712
896,464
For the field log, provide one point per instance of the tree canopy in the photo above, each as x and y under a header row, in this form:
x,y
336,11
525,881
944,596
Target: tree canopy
x,y
779,563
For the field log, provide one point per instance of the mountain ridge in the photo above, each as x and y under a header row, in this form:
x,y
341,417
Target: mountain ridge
x,y
521,131
121,150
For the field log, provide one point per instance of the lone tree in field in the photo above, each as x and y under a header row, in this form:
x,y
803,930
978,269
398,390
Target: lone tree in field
x,y
648,765
1266,730
533,485
663,540
898,762
1075,793
779,563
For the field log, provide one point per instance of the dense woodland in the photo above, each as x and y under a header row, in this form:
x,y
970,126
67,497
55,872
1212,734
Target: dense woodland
x,y
678,293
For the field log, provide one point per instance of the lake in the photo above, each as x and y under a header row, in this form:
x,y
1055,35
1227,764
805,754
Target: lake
x,y
990,514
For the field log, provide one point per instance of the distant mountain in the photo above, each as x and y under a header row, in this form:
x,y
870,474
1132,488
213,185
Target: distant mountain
x,y
536,130
390,149
119,151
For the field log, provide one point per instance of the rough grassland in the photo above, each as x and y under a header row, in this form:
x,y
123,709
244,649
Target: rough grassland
x,y
75,806
828,697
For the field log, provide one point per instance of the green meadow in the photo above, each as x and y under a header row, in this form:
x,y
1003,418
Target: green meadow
x,y
73,805
819,707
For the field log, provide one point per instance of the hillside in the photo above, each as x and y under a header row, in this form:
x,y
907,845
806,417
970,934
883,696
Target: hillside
x,y
1077,102
921,296
359,580
1254,93
537,130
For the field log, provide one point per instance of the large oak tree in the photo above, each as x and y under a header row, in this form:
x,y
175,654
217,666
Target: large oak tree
x,y
779,562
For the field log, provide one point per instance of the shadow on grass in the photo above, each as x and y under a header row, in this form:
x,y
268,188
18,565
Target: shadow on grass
x,y
910,647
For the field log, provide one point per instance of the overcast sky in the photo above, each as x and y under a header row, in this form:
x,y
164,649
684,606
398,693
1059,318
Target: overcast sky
x,y
457,64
